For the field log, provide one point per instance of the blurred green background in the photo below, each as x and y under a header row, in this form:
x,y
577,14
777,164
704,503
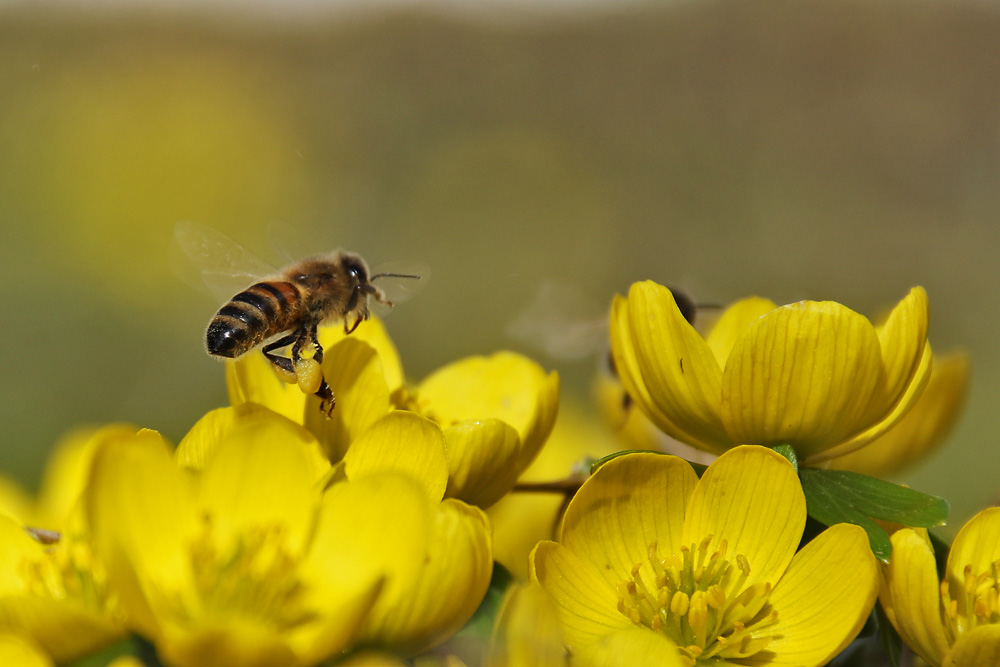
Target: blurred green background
x,y
835,150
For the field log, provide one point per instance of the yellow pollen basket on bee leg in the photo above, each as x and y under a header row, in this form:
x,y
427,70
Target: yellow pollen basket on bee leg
x,y
308,375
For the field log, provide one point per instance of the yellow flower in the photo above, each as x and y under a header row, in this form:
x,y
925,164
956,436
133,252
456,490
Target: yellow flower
x,y
57,594
240,423
922,429
20,652
250,379
496,412
15,502
707,566
454,575
65,475
632,426
526,633
52,589
814,375
521,519
956,623
247,563
526,630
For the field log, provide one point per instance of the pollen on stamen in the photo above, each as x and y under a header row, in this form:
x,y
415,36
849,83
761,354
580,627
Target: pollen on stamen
x,y
698,598
679,603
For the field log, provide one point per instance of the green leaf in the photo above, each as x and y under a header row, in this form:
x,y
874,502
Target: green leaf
x,y
789,453
879,499
836,496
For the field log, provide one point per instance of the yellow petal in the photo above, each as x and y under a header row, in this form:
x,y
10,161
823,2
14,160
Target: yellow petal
x,y
805,375
235,645
504,386
526,631
751,498
733,322
979,648
922,429
17,546
910,590
261,478
142,514
16,503
371,659
67,471
483,460
402,442
903,338
677,367
242,423
630,503
585,602
824,598
448,588
888,420
629,647
977,545
126,661
626,367
371,539
520,520
356,374
19,652
908,366
251,379
373,332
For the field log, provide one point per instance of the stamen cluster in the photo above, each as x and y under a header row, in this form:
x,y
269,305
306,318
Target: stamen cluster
x,y
254,576
701,601
977,603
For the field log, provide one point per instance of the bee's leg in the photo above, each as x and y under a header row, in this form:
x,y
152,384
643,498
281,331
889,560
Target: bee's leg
x,y
325,392
318,356
326,400
283,363
357,321
301,335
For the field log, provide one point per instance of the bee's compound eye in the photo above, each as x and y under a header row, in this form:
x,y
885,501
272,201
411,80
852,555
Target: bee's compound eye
x,y
356,272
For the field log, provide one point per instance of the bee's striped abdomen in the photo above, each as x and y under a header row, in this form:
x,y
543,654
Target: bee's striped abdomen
x,y
251,317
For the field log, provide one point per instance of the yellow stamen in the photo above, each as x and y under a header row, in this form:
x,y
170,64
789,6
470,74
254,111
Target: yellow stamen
x,y
698,597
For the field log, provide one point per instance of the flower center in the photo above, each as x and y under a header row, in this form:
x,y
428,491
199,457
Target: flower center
x,y
252,576
68,570
977,602
701,601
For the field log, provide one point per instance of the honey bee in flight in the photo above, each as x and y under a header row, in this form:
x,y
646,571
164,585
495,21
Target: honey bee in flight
x,y
288,308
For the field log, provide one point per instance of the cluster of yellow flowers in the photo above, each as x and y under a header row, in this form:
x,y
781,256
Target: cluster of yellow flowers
x,y
272,535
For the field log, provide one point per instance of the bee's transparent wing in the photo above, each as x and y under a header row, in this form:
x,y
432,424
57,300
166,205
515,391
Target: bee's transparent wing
x,y
561,322
399,281
215,260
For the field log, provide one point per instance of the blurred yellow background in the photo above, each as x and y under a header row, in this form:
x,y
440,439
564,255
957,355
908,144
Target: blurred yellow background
x,y
835,150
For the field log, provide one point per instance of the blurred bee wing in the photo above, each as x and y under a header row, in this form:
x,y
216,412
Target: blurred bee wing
x,y
400,282
204,255
561,322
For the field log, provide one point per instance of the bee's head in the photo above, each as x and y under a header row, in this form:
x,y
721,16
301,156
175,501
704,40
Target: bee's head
x,y
356,270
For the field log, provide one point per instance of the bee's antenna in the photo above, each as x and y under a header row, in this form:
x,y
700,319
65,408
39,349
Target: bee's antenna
x,y
394,275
